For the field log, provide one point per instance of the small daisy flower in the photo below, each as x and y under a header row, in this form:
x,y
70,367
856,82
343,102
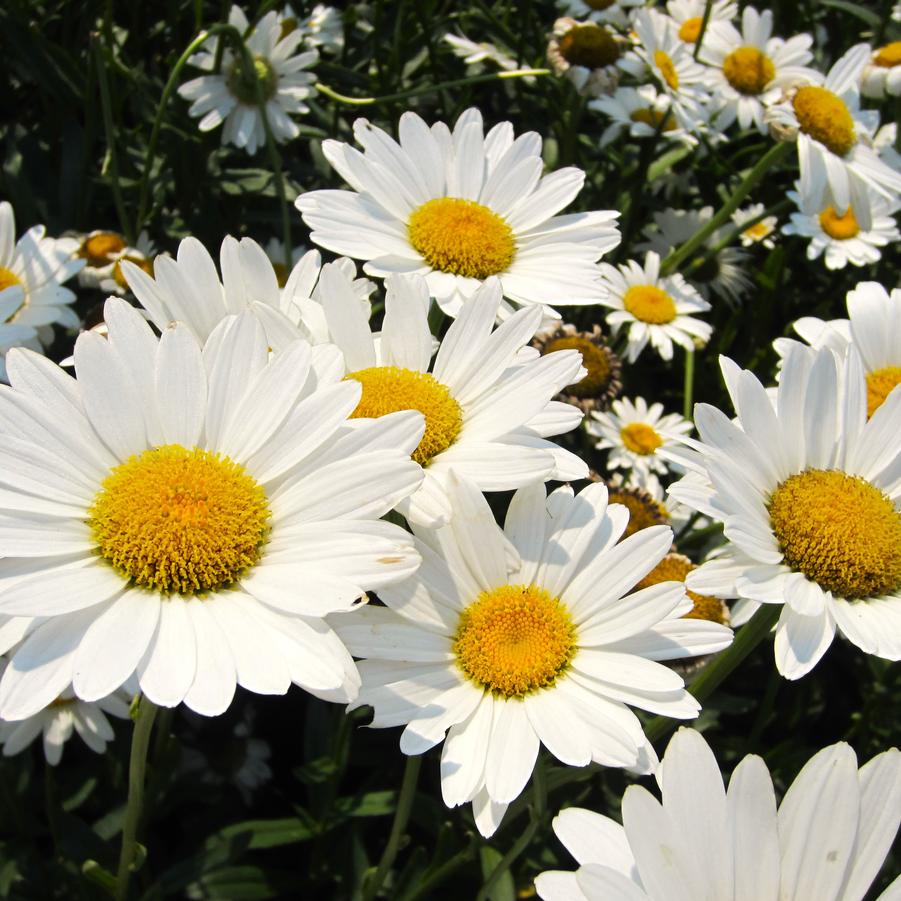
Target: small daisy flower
x,y
807,490
607,12
882,76
507,640
189,516
473,53
827,839
636,435
749,68
32,296
230,98
486,397
111,279
323,28
834,138
761,231
586,53
839,239
642,112
656,309
458,207
688,15
99,249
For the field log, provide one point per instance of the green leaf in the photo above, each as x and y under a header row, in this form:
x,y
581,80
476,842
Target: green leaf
x,y
268,833
504,890
243,884
371,804
874,20
663,164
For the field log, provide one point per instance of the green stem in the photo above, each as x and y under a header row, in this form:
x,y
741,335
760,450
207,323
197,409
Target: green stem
x,y
426,89
137,765
703,685
708,8
777,209
688,384
438,875
772,157
401,816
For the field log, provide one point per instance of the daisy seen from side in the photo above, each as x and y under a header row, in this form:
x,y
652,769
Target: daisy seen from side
x,y
643,112
882,75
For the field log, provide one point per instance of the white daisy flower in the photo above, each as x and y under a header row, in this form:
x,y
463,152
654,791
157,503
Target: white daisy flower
x,y
275,250
828,838
688,15
839,239
586,54
322,28
190,517
231,97
761,231
643,112
655,308
507,640
750,67
99,249
458,207
808,491
834,138
882,76
608,12
32,296
486,397
472,53
636,435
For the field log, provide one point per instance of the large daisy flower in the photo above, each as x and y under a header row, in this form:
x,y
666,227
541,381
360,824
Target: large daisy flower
x,y
459,207
655,308
516,638
827,839
834,138
808,491
486,398
32,296
688,16
637,435
750,67
231,96
190,516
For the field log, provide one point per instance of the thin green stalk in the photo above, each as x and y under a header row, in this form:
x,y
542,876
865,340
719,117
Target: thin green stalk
x,y
401,816
137,765
426,89
708,8
772,157
688,384
438,875
110,131
775,210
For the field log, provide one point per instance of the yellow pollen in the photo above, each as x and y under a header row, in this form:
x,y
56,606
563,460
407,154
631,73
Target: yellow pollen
x,y
8,278
101,249
514,640
667,69
589,45
825,117
654,118
387,389
644,511
650,304
842,228
675,568
180,520
143,263
880,383
758,231
888,56
840,531
748,70
640,438
593,359
691,30
462,237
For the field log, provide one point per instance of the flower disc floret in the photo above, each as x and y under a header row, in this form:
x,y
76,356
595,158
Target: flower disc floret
x,y
840,531
675,568
515,640
824,116
889,56
8,279
180,520
644,510
667,68
594,359
387,389
640,438
650,304
462,237
690,30
880,383
101,248
589,45
748,70
242,85
841,228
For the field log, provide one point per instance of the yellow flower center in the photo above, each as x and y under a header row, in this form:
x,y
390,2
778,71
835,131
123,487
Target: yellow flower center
x,y
841,228
825,117
462,237
758,231
888,56
840,531
589,45
880,383
514,640
667,69
654,118
101,249
8,279
640,438
690,30
748,70
387,389
644,511
180,520
242,84
650,304
674,568
594,359
143,263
